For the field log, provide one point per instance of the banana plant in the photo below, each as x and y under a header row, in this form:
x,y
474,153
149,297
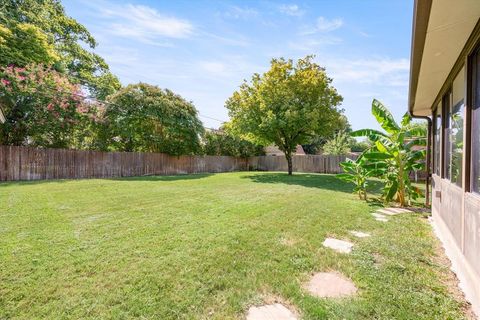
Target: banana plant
x,y
356,173
392,156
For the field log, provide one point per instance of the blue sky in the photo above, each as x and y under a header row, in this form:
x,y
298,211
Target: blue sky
x,y
204,49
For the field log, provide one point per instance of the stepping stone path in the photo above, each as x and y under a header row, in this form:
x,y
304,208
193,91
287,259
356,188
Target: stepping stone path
x,y
360,234
275,311
338,245
380,214
322,284
330,285
379,217
393,211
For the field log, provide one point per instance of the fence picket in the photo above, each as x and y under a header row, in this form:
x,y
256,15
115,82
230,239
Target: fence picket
x,y
24,163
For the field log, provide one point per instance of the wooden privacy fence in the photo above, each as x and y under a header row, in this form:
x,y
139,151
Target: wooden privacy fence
x,y
301,163
24,163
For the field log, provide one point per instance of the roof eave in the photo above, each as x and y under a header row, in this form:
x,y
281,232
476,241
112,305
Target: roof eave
x,y
421,15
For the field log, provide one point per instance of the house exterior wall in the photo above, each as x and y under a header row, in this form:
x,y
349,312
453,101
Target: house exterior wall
x,y
456,222
456,207
445,85
472,232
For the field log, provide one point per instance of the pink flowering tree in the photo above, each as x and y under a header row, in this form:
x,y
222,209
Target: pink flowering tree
x,y
42,107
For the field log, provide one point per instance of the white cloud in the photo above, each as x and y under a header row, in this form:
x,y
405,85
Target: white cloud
x,y
291,10
377,71
234,67
120,56
364,34
323,25
146,24
236,12
214,68
232,40
310,45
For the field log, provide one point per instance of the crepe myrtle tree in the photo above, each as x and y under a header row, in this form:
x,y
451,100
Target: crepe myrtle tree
x,y
286,106
42,108
40,32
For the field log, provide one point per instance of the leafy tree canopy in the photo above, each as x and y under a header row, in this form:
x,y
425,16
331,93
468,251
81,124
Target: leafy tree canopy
x,y
53,37
338,145
286,106
25,43
224,143
316,143
359,146
42,107
142,117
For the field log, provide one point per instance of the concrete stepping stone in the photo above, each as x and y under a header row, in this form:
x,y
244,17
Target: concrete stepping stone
x,y
338,245
330,285
360,234
275,311
393,211
379,217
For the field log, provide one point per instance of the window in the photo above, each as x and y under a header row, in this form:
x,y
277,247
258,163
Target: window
x,y
446,134
437,127
475,124
457,116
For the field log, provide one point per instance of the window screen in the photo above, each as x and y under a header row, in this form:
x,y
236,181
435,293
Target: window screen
x,y
457,116
447,147
437,127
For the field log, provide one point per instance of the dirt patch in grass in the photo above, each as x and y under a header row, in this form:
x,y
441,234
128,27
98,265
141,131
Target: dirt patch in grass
x,y
269,299
330,285
288,241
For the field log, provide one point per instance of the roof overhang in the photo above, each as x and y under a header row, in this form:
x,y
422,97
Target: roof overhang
x,y
441,29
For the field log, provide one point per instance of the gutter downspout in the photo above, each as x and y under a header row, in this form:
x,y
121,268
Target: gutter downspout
x,y
421,16
429,145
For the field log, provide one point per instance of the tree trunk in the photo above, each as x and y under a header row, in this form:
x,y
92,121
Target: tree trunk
x,y
288,155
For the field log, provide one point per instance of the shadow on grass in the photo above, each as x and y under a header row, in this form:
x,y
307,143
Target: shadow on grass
x,y
119,179
32,182
190,176
320,181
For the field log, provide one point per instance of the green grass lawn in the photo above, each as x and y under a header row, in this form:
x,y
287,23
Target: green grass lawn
x,y
208,247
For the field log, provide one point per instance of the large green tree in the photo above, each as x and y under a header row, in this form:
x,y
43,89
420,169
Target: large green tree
x,y
25,43
31,29
287,105
143,117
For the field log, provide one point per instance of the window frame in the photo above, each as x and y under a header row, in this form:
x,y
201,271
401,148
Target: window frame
x,y
437,141
471,99
445,135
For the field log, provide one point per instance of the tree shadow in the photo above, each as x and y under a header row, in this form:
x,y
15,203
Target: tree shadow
x,y
178,177
309,180
31,182
189,176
